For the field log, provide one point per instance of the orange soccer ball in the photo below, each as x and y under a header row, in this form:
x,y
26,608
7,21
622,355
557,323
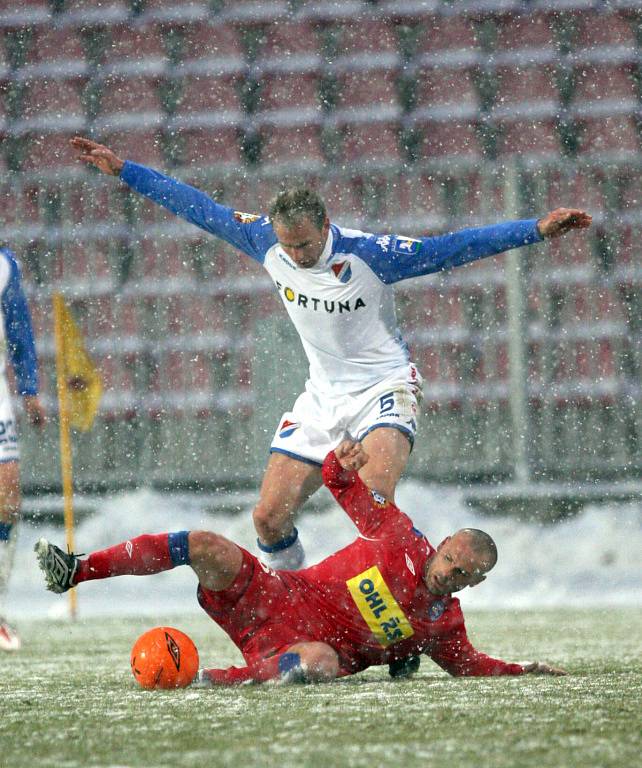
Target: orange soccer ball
x,y
164,657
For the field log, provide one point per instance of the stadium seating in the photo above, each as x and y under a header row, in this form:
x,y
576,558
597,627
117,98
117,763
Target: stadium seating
x,y
393,110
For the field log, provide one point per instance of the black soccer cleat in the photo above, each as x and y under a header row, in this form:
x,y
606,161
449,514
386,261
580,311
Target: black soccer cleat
x,y
58,566
400,668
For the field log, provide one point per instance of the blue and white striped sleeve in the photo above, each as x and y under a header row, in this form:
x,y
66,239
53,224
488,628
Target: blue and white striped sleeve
x,y
253,235
394,258
19,331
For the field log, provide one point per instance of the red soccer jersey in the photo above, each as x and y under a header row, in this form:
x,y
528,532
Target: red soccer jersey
x,y
369,601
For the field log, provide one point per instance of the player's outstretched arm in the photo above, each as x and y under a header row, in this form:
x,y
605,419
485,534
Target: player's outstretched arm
x,y
402,258
366,508
252,235
98,155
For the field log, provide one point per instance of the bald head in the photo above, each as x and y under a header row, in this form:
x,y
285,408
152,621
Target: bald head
x,y
481,544
461,560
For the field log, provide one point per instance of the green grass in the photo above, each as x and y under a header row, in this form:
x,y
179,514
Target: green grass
x,y
68,700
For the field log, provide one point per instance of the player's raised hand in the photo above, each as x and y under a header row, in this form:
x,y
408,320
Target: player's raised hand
x,y
563,220
538,668
351,455
98,155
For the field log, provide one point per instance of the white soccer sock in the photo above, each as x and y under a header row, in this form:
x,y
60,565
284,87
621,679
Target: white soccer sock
x,y
7,551
285,555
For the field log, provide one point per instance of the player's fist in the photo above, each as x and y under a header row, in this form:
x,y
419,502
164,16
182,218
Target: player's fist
x,y
98,155
351,455
538,668
563,220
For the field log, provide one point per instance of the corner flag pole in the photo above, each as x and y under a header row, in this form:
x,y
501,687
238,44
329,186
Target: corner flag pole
x,y
66,464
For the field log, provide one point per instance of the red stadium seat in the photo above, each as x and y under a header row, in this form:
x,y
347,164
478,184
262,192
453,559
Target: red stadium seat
x,y
135,43
57,98
342,200
50,44
448,138
616,134
603,28
439,86
49,150
521,83
161,257
526,30
289,90
210,93
72,6
528,137
448,33
596,82
366,36
212,40
371,88
367,142
419,201
141,144
210,146
122,94
292,144
286,39
573,250
584,186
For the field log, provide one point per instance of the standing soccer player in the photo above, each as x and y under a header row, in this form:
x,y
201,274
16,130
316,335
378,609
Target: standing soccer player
x,y
16,340
336,285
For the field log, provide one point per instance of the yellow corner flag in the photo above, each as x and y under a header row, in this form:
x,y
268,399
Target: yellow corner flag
x,y
80,377
79,391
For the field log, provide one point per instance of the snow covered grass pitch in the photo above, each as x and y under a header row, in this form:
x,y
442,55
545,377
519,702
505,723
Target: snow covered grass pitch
x,y
69,700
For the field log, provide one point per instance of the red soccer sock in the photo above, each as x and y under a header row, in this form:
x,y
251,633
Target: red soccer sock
x,y
259,670
138,557
229,676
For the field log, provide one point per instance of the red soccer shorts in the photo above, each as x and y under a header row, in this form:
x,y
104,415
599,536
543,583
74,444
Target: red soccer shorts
x,y
258,610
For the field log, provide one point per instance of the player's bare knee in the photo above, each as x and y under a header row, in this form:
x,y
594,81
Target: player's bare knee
x,y
207,548
319,661
270,521
215,559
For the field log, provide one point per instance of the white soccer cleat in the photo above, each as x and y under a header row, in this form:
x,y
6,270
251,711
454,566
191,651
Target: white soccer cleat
x,y
9,638
58,566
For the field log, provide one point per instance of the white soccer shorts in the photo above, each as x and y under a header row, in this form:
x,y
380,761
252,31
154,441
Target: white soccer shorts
x,y
317,423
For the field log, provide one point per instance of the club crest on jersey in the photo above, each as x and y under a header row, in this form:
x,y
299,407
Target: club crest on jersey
x,y
343,271
245,218
406,245
288,428
436,610
379,500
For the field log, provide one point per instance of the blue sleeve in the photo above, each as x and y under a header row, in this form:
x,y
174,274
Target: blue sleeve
x,y
395,258
251,234
17,320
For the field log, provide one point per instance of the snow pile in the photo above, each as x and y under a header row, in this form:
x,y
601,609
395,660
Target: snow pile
x,y
589,560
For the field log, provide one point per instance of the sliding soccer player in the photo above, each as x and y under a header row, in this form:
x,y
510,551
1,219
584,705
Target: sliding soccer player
x,y
380,600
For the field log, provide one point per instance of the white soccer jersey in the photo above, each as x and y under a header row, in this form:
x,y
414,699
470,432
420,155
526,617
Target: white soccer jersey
x,y
344,314
343,307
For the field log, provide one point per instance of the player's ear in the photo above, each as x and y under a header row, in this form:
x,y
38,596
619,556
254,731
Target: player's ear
x,y
444,541
477,580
